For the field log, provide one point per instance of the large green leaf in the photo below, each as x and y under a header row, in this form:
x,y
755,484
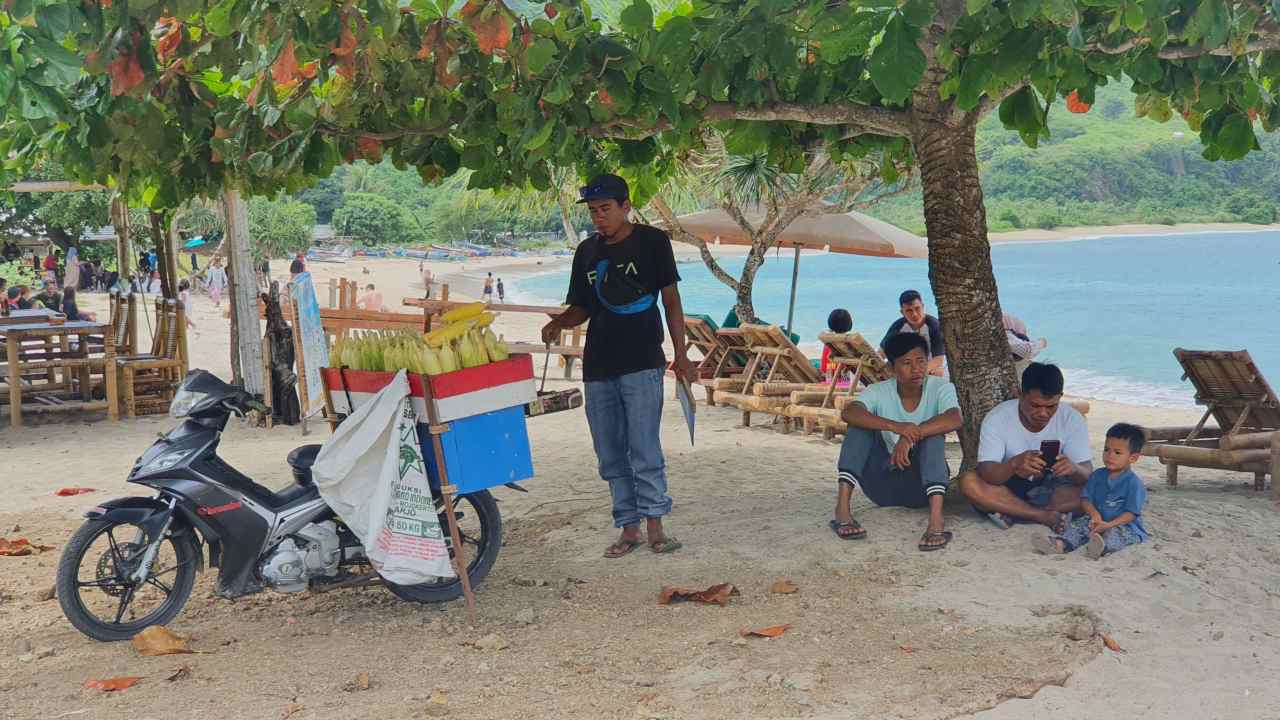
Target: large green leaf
x,y
1210,25
6,83
1235,138
540,54
897,64
637,18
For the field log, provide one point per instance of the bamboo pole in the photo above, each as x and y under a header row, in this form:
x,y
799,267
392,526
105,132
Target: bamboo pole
x,y
1245,441
783,388
1275,466
1178,432
1210,457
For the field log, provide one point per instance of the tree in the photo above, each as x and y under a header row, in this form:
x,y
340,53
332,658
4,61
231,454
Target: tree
x,y
764,200
62,217
280,227
374,220
222,92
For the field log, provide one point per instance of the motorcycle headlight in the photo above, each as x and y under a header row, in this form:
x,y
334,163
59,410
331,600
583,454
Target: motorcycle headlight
x,y
183,401
166,461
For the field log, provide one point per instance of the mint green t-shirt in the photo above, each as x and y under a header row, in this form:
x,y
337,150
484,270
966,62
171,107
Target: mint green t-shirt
x,y
882,400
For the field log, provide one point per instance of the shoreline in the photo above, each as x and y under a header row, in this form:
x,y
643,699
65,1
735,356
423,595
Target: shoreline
x,y
1098,232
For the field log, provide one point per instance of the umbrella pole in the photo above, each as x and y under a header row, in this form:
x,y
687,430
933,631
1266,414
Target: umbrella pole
x,y
795,276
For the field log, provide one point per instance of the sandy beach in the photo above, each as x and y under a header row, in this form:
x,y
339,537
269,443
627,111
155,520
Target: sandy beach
x,y
984,629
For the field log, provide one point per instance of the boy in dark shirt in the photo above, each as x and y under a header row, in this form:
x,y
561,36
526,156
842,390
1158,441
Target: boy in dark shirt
x,y
619,275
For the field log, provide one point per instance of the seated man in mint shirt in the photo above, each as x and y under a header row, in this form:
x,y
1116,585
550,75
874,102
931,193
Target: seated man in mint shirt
x,y
894,449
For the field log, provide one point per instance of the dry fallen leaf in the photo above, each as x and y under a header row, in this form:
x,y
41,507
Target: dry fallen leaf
x,y
112,684
906,649
20,546
289,710
359,682
718,594
439,697
769,632
158,640
181,673
783,587
67,491
1111,644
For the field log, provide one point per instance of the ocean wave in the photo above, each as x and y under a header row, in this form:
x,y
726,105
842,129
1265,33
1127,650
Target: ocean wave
x,y
1099,386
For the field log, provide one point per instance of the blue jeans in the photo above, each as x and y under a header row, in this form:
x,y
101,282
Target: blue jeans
x,y
625,416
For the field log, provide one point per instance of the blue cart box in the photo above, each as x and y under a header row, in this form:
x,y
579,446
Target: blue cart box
x,y
481,451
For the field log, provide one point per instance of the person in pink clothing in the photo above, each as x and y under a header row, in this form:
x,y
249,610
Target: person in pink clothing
x,y
216,278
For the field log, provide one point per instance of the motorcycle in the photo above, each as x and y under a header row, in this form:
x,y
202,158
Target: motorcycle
x,y
134,561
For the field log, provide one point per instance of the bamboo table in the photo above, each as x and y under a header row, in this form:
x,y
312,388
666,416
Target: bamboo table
x,y
15,334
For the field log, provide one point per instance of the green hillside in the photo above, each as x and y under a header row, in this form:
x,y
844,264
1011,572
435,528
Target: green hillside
x,y
1109,167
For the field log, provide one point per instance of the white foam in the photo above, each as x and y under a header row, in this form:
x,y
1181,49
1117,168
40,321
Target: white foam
x,y
1098,386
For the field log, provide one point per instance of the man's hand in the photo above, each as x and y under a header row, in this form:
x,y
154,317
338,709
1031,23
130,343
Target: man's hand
x,y
682,367
1028,464
551,331
901,458
1063,467
909,431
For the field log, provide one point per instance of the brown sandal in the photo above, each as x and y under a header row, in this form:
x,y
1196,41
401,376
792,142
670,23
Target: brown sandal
x,y
620,548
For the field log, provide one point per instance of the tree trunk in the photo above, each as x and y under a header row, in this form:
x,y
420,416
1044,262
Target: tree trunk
x,y
960,262
164,256
744,306
124,244
246,334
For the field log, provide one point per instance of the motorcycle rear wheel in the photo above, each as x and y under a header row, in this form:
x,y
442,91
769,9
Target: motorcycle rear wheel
x,y
481,551
172,577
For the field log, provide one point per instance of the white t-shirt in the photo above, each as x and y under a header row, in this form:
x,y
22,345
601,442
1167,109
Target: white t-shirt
x,y
1004,436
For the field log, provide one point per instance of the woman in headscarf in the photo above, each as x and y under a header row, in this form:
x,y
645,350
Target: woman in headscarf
x,y
71,274
1021,346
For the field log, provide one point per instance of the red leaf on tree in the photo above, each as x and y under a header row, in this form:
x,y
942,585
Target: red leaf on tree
x,y
347,68
370,148
20,546
308,71
167,36
346,43
252,100
285,68
436,42
1075,105
769,632
112,684
716,594
126,72
604,97
550,10
490,23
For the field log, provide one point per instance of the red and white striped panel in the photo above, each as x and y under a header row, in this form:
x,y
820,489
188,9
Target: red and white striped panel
x,y
464,393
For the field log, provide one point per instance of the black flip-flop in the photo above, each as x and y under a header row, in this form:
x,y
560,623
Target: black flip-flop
x,y
945,536
858,533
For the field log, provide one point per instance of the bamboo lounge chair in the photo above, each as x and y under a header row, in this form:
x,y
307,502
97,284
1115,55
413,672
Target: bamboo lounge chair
x,y
776,369
850,353
719,359
1247,411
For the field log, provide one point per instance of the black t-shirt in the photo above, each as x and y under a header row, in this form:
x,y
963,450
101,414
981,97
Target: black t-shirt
x,y
297,267
932,334
638,267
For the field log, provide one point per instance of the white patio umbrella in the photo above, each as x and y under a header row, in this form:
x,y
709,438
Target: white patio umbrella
x,y
851,233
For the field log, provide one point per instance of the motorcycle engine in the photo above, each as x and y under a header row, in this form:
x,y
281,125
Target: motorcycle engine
x,y
312,551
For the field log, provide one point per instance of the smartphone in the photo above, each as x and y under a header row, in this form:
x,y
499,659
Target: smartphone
x,y
1049,451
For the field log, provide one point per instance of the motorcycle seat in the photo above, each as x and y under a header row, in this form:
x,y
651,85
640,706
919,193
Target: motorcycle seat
x,y
301,460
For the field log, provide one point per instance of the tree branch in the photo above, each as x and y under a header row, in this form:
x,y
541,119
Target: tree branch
x,y
1182,52
991,102
870,119
679,234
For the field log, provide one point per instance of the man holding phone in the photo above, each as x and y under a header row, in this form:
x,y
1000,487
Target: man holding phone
x,y
1033,455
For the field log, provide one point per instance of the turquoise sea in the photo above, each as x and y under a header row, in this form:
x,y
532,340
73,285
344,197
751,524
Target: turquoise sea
x,y
1113,308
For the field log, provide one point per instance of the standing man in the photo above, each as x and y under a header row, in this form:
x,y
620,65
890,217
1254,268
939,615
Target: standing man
x,y
619,273
914,320
1015,481
894,449
299,265
488,288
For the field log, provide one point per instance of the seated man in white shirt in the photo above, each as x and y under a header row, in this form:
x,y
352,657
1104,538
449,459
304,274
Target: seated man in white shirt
x,y
893,450
1033,455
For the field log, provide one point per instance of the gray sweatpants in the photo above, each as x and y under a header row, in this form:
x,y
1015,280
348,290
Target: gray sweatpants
x,y
864,463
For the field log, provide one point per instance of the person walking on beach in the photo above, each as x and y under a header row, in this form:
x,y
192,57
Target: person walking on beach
x,y
915,320
216,278
619,275
894,449
487,295
502,292
1033,455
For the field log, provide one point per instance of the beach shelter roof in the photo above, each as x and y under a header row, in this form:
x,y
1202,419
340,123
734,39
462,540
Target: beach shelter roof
x,y
851,233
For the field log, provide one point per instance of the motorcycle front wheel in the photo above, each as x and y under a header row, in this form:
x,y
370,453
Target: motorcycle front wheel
x,y
95,585
480,526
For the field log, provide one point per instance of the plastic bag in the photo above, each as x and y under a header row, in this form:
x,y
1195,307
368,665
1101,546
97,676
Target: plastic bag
x,y
370,471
